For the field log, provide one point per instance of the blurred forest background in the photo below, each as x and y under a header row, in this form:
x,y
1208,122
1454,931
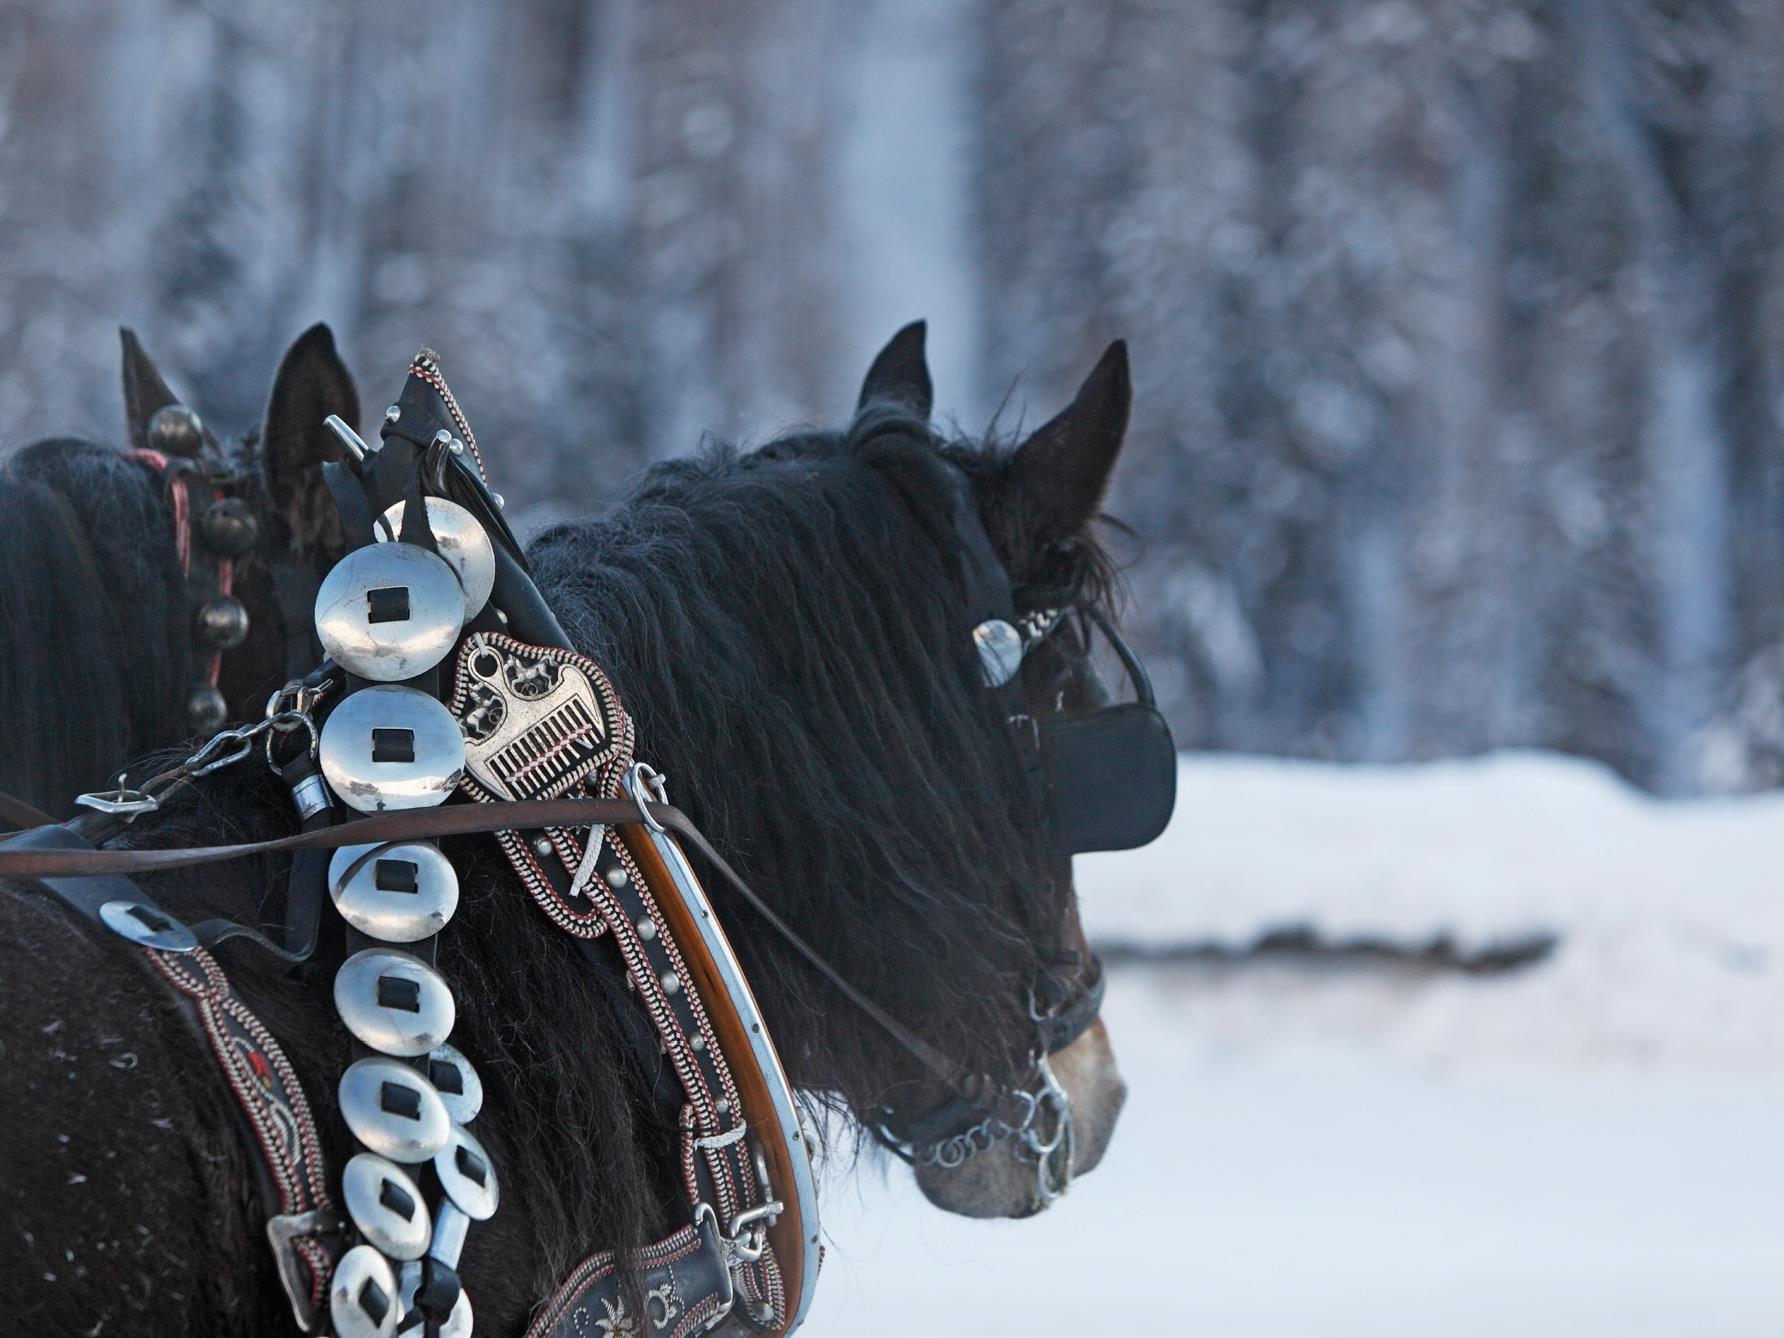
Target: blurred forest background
x,y
1454,322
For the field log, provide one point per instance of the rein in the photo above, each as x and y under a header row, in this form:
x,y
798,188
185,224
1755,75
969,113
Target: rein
x,y
481,819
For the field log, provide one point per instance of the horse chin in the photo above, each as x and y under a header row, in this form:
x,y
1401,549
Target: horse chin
x,y
999,1181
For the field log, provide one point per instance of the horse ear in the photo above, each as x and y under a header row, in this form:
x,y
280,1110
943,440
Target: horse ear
x,y
145,394
312,383
900,373
1061,473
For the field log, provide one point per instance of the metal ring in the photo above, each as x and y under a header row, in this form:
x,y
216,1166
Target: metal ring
x,y
639,776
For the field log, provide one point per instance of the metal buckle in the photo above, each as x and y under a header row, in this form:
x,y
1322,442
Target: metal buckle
x,y
281,1230
125,801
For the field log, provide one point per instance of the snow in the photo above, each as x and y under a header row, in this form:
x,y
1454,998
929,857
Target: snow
x,y
1589,1145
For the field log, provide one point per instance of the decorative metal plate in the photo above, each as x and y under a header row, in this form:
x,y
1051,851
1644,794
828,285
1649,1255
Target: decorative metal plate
x,y
362,1297
535,720
387,1207
393,1110
389,611
462,542
467,1175
456,1082
394,1002
399,893
389,747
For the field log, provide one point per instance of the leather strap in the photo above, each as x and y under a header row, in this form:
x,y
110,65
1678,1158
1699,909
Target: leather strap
x,y
18,861
21,814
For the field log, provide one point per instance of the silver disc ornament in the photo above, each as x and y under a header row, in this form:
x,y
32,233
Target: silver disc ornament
x,y
362,1295
456,1082
386,1205
395,893
393,1110
462,543
389,747
389,611
394,1002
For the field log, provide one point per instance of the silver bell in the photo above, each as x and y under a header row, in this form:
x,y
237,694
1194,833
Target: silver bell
x,y
175,429
393,1110
1000,651
399,894
387,1207
222,622
389,611
389,747
395,1003
456,1082
467,1175
462,542
362,1297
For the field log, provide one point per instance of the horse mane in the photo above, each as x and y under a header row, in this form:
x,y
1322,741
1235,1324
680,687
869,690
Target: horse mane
x,y
86,651
789,629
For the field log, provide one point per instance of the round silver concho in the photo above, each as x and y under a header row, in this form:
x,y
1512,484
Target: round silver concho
x,y
387,1207
389,611
458,1323
362,1297
456,1082
394,1111
1000,651
462,542
393,1002
467,1175
399,893
388,747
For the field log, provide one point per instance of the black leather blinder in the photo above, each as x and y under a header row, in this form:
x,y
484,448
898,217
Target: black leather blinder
x,y
1111,772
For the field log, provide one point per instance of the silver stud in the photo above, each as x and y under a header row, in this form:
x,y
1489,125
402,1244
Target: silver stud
x,y
671,983
724,1105
462,542
362,1295
467,1175
542,846
393,413
698,1042
617,876
389,747
393,1110
394,1002
456,1081
389,611
499,500
386,1205
456,446
647,928
400,894
442,437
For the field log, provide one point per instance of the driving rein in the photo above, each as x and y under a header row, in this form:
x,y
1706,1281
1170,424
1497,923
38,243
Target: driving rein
x,y
448,676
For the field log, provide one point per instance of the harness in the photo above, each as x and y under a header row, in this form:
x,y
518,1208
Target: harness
x,y
449,675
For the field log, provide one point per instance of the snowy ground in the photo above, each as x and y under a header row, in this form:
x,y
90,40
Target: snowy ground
x,y
1591,1145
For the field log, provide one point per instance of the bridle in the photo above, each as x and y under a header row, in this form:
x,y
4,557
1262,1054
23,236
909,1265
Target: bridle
x,y
1130,740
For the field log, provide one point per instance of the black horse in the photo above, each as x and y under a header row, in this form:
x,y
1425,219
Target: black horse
x,y
98,655
789,629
